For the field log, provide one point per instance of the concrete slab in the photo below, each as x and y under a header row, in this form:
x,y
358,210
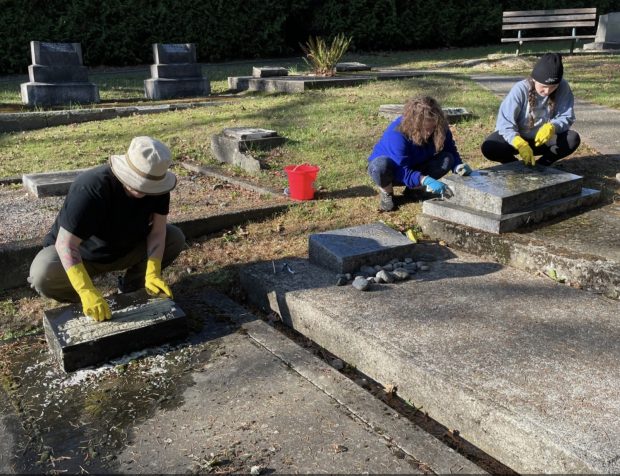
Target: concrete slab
x,y
583,250
138,321
522,367
351,66
49,184
271,403
347,249
268,71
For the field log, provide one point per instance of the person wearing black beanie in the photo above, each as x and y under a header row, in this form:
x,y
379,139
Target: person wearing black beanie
x,y
534,119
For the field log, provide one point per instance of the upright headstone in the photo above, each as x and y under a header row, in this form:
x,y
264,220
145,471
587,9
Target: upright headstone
x,y
505,197
607,33
234,145
57,76
175,73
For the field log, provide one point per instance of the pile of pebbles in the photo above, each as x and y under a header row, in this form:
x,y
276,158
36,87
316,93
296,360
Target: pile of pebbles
x,y
395,270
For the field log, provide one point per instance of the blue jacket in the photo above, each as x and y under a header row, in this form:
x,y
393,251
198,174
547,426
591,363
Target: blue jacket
x,y
513,115
407,155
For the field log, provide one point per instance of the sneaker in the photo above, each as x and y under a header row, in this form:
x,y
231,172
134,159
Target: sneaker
x,y
387,201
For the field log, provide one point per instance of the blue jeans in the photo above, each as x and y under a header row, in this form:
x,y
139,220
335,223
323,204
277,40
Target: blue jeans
x,y
381,169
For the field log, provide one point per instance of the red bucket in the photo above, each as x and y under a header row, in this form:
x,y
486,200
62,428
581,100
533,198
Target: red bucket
x,y
301,181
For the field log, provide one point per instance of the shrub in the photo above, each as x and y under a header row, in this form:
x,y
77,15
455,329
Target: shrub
x,y
322,58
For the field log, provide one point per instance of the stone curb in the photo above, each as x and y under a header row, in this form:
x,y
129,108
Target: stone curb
x,y
399,431
25,121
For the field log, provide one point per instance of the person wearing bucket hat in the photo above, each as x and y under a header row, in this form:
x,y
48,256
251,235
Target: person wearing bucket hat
x,y
535,117
114,218
416,150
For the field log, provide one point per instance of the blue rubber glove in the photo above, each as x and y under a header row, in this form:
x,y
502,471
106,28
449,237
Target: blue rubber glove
x,y
463,170
433,185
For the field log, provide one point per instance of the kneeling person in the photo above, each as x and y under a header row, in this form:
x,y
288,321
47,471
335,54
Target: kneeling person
x,y
416,150
113,218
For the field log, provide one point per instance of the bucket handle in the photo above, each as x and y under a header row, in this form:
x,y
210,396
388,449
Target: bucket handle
x,y
300,165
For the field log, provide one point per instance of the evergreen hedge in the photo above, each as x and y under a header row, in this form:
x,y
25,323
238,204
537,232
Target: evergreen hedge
x,y
120,32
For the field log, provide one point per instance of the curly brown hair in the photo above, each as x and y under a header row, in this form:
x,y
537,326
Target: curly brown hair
x,y
412,125
531,99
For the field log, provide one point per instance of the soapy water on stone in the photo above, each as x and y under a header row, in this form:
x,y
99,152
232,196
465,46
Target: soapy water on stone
x,y
85,328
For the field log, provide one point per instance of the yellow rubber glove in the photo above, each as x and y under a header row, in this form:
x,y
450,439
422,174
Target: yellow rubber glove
x,y
525,151
152,281
93,303
543,135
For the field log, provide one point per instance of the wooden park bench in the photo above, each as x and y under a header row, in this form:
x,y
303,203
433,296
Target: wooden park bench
x,y
562,19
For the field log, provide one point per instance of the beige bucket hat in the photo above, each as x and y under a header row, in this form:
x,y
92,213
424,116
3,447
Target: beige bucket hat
x,y
145,166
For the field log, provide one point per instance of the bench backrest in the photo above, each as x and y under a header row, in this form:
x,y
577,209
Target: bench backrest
x,y
561,18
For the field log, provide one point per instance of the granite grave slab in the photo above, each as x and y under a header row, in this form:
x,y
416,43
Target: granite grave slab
x,y
175,73
351,66
268,71
57,76
504,197
453,114
347,249
138,321
48,184
234,145
607,33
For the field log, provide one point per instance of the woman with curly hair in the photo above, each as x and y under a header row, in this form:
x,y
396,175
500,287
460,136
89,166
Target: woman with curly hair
x,y
535,118
417,149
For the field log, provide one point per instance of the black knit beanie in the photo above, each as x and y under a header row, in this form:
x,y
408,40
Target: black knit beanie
x,y
548,70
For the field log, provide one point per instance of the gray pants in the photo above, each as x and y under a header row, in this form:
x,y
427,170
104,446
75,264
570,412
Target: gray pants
x,y
49,278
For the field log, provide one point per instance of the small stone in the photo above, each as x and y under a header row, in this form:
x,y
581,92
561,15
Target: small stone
x,y
424,268
399,264
384,277
361,283
420,263
401,274
408,260
348,276
341,281
378,268
618,177
337,364
367,270
388,267
393,261
255,470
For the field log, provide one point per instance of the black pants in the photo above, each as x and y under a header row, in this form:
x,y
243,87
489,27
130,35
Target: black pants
x,y
496,148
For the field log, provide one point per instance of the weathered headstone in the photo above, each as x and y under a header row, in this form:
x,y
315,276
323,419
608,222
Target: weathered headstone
x,y
57,76
453,114
351,66
234,145
507,196
607,33
138,321
175,73
348,249
268,71
48,184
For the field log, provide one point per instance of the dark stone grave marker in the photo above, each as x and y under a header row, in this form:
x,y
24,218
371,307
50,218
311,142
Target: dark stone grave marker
x,y
138,321
175,73
57,76
505,197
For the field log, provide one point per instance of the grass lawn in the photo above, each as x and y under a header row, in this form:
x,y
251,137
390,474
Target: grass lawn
x,y
334,129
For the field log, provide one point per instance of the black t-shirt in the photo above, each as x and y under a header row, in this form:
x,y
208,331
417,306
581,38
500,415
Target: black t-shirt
x,y
98,210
